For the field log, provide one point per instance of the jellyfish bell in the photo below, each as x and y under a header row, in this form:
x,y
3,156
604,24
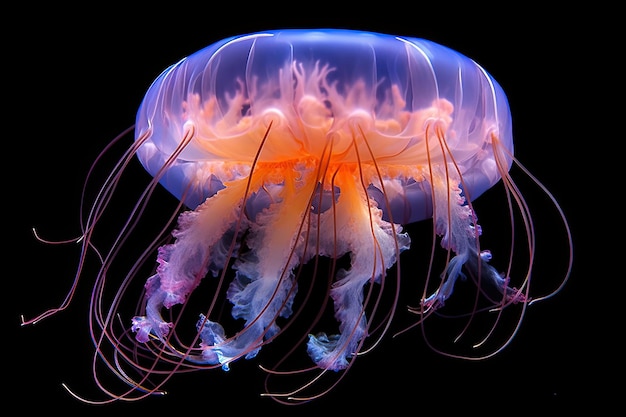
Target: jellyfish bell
x,y
287,146
316,86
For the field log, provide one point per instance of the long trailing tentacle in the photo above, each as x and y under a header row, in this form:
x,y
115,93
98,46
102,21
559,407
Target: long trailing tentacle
x,y
456,224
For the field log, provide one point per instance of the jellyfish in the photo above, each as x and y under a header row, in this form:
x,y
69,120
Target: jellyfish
x,y
286,148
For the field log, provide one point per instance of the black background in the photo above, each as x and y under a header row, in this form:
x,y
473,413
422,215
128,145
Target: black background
x,y
76,82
